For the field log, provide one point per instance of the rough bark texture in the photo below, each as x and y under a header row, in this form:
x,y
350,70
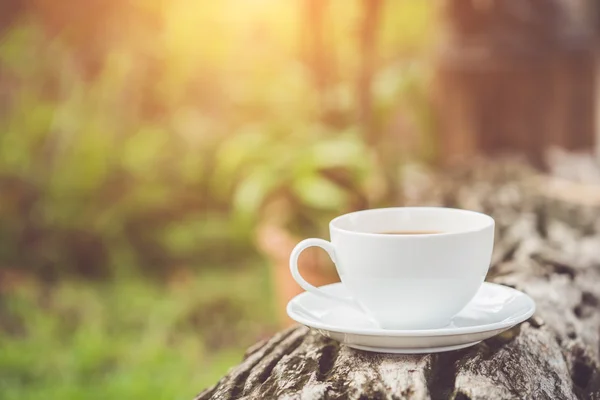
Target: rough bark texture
x,y
548,248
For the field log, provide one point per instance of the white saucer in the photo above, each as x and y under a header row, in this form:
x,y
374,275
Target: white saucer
x,y
494,309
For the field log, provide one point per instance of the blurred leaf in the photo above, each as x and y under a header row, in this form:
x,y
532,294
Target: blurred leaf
x,y
248,147
196,232
320,193
342,152
253,190
15,46
147,196
142,150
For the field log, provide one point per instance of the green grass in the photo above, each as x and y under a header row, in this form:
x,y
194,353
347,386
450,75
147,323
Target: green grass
x,y
129,339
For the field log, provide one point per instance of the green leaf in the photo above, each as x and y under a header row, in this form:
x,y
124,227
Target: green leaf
x,y
144,149
342,152
318,192
244,149
252,192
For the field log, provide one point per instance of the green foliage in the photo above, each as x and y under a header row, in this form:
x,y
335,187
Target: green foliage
x,y
150,138
89,183
144,150
313,172
130,339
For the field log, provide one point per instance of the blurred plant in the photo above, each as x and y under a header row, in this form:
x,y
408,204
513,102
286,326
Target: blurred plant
x,y
152,137
127,339
297,169
90,182
131,153
297,183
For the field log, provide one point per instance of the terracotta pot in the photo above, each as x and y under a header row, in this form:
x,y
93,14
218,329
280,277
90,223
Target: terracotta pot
x,y
316,267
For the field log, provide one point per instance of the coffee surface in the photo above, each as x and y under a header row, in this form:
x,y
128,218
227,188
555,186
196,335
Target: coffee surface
x,y
410,232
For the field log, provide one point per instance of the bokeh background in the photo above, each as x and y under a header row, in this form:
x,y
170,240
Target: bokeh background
x,y
160,158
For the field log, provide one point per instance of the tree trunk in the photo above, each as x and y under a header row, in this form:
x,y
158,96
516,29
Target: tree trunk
x,y
548,248
10,11
317,47
516,76
368,53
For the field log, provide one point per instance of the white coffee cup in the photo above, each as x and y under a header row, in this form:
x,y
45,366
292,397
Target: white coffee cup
x,y
407,281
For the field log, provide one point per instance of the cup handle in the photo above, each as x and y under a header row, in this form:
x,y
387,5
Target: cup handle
x,y
328,247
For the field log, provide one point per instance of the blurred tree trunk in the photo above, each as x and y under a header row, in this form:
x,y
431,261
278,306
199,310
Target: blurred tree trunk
x,y
368,54
384,146
516,76
10,11
317,47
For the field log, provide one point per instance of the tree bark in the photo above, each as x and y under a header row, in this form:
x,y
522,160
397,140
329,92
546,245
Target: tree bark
x,y
545,247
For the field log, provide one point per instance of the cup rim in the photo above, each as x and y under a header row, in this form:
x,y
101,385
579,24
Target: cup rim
x,y
489,222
